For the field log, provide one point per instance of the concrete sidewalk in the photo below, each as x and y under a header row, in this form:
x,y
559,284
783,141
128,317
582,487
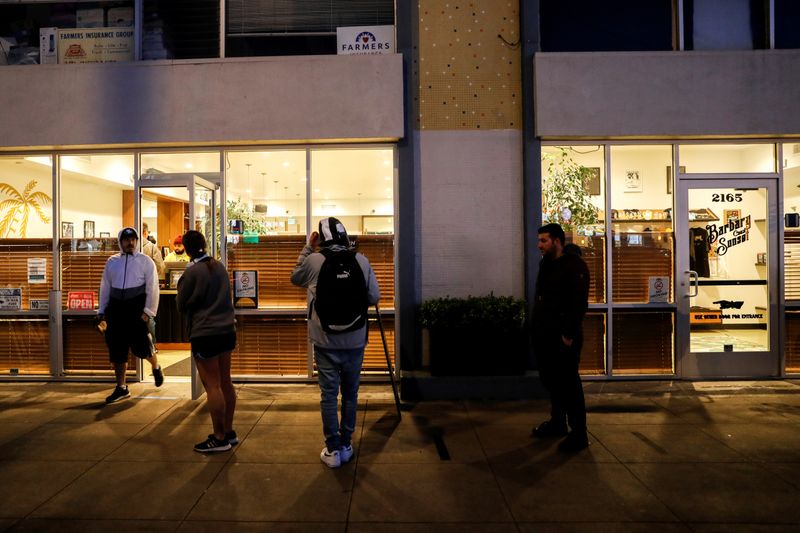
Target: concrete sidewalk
x,y
665,456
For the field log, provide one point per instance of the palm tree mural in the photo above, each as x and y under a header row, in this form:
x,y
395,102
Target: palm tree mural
x,y
16,209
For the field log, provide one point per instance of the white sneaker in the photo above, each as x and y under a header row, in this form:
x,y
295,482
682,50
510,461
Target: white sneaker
x,y
346,453
331,459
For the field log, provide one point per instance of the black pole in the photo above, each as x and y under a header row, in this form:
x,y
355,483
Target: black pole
x,y
389,364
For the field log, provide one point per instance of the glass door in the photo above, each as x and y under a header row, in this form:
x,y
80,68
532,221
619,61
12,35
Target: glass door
x,y
728,270
168,205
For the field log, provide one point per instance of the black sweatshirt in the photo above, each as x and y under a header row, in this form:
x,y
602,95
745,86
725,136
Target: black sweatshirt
x,y
562,294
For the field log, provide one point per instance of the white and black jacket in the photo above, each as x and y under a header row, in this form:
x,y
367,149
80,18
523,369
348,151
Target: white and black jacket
x,y
129,285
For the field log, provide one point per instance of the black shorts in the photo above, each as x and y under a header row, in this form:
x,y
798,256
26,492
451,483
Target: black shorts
x,y
210,346
123,337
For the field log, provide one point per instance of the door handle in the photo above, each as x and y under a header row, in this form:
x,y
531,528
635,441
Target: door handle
x,y
693,274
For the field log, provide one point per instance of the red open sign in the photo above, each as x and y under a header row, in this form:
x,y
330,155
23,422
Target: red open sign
x,y
80,300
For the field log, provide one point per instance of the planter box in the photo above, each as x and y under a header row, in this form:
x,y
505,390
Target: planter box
x,y
470,352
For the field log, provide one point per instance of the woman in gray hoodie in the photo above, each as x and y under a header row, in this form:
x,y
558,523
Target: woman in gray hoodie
x,y
204,296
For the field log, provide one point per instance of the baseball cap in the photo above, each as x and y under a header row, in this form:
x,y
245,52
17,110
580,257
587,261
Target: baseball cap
x,y
128,233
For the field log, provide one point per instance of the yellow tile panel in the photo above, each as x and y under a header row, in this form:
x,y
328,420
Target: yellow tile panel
x,y
468,65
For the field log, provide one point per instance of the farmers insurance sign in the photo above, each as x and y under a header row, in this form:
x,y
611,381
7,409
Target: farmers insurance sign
x,y
365,40
95,45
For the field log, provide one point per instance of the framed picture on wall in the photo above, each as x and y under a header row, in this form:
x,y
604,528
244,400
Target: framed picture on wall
x,y
633,181
105,235
729,215
88,229
67,230
591,181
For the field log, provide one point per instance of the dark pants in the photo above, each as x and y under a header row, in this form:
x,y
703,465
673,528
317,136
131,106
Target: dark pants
x,y
558,370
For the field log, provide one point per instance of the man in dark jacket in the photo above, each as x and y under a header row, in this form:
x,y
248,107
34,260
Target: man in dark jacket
x,y
562,292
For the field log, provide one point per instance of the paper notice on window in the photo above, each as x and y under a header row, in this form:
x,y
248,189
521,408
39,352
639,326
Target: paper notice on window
x,y
37,270
11,299
659,289
95,45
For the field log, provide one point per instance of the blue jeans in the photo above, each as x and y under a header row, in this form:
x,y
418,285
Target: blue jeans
x,y
338,368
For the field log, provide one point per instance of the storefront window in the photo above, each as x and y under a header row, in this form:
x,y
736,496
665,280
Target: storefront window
x,y
96,203
643,342
356,185
573,195
267,223
641,224
726,158
791,252
26,263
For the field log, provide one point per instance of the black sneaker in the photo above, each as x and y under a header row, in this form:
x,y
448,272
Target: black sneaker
x,y
119,393
574,442
549,430
211,445
230,436
158,375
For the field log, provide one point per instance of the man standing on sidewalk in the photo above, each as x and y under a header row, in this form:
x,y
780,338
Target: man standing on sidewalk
x,y
128,300
341,286
562,292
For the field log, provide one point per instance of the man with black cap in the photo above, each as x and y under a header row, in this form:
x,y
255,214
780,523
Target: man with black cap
x,y
338,336
128,300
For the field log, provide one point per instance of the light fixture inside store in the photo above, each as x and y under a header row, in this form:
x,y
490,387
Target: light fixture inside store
x,y
188,165
286,163
248,189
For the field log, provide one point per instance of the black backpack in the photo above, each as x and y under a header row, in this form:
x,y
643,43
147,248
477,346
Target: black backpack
x,y
341,300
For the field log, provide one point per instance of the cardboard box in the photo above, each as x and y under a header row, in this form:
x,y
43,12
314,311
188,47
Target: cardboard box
x,y
90,17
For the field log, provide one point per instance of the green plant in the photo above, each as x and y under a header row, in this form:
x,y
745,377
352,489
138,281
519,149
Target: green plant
x,y
477,335
564,197
253,222
499,313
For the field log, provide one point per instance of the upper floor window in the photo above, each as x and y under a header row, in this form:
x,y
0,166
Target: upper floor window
x,y
787,20
286,27
725,24
614,25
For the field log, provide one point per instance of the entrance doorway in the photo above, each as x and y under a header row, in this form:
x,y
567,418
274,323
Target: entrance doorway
x,y
170,205
727,264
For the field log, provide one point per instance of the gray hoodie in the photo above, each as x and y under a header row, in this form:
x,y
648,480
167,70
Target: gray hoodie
x,y
305,274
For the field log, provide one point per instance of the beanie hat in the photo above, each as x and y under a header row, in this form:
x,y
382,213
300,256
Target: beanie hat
x,y
331,232
178,240
128,233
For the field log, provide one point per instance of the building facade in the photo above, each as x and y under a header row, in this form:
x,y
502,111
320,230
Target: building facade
x,y
669,151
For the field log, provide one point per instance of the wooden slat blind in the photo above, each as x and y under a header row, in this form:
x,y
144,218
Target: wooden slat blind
x,y
791,264
593,355
275,346
379,249
274,257
792,346
594,254
85,349
24,345
83,270
643,343
14,255
374,356
633,265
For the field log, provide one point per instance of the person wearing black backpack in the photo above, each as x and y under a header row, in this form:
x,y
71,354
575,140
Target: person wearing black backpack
x,y
341,288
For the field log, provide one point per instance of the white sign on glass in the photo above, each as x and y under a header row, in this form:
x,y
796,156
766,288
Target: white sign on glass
x,y
365,40
659,289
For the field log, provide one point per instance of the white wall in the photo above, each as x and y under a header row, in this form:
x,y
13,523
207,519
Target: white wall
x,y
667,94
471,221
83,200
203,101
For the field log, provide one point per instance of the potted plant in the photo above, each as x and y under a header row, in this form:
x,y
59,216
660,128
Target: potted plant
x,y
565,199
477,335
